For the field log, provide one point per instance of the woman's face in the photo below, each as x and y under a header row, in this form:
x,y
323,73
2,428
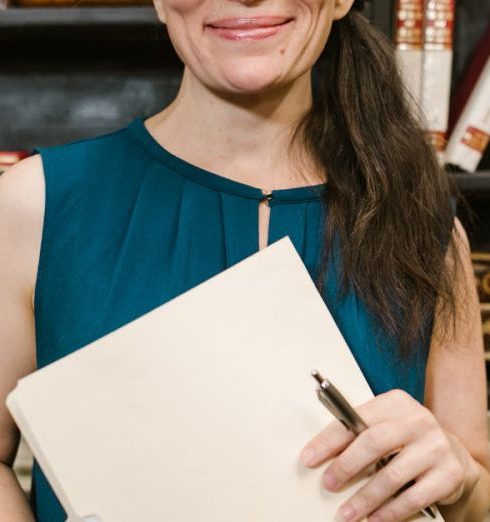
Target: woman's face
x,y
243,46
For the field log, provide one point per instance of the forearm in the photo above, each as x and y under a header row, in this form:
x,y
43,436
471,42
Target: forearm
x,y
14,506
473,506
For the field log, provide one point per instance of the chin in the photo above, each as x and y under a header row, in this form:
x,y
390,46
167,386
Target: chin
x,y
251,78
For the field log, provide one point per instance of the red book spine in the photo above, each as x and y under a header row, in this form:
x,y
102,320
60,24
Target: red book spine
x,y
9,157
409,39
436,83
469,78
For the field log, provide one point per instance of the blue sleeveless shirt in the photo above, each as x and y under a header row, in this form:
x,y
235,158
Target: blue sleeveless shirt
x,y
128,226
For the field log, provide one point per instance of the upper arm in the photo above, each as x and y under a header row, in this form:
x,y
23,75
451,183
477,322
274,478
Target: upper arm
x,y
456,388
21,216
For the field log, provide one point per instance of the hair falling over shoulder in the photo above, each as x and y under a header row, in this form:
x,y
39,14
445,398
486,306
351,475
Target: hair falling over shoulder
x,y
388,199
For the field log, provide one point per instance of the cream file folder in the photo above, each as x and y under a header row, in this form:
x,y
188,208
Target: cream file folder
x,y
197,411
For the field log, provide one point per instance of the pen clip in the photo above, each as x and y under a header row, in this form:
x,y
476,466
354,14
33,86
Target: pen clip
x,y
334,410
338,406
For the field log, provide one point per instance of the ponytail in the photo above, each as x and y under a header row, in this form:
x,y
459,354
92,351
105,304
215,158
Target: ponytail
x,y
388,200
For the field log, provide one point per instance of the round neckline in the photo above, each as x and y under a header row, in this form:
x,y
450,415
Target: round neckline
x,y
213,180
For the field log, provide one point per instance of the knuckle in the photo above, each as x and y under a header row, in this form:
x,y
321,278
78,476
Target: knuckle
x,y
372,440
424,419
394,476
362,502
440,446
399,396
456,474
378,440
323,442
345,465
415,499
387,514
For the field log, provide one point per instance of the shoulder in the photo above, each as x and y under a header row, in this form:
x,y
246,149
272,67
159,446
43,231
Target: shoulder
x,y
89,148
92,164
21,220
22,194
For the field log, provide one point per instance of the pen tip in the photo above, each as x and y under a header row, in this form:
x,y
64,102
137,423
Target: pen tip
x,y
317,376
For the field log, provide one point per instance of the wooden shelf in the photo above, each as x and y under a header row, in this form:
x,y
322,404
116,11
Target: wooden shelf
x,y
40,27
473,182
29,17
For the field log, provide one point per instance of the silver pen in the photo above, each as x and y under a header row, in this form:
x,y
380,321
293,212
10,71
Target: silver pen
x,y
340,408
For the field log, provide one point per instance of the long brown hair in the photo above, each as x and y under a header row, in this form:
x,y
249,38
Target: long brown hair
x,y
388,199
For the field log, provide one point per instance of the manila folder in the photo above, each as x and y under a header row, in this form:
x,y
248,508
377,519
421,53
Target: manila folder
x,y
197,410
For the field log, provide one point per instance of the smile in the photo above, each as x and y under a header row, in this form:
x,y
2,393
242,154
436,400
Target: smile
x,y
255,28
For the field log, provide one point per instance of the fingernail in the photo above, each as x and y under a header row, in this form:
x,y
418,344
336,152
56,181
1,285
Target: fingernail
x,y
307,457
345,514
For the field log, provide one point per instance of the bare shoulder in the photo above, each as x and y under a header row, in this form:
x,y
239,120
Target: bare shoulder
x,y
21,222
26,179
21,217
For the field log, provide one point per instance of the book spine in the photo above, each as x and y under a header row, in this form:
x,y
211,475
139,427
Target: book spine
x,y
485,317
471,133
409,39
9,157
481,268
464,88
436,75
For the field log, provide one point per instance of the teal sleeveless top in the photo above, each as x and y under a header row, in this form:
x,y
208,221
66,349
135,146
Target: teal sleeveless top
x,y
128,226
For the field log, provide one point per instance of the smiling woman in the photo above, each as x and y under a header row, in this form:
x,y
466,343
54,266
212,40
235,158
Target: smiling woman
x,y
251,150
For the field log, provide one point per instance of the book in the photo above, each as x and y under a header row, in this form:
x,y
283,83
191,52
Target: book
x,y
485,317
408,40
481,268
436,75
198,410
471,133
9,157
469,77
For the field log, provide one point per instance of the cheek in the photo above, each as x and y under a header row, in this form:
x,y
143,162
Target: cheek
x,y
181,6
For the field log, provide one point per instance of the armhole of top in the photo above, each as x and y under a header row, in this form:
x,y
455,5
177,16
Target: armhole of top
x,y
35,300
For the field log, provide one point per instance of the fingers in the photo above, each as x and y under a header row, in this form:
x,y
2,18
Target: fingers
x,y
380,440
423,493
335,437
330,441
405,467
427,468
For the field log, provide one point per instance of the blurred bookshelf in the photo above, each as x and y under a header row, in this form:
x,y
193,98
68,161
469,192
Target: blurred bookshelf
x,y
474,182
91,69
72,72
120,49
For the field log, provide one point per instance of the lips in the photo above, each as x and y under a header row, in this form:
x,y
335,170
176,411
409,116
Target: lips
x,y
255,22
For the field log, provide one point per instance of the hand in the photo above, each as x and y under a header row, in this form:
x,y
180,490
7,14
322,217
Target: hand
x,y
441,466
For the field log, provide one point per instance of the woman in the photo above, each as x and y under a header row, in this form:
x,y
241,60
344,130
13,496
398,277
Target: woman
x,y
107,228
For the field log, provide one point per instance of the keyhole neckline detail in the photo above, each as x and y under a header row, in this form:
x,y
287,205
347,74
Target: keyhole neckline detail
x,y
213,180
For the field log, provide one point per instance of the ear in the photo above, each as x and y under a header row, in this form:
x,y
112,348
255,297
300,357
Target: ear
x,y
160,11
341,8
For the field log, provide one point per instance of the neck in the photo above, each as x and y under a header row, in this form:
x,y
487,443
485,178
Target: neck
x,y
243,138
